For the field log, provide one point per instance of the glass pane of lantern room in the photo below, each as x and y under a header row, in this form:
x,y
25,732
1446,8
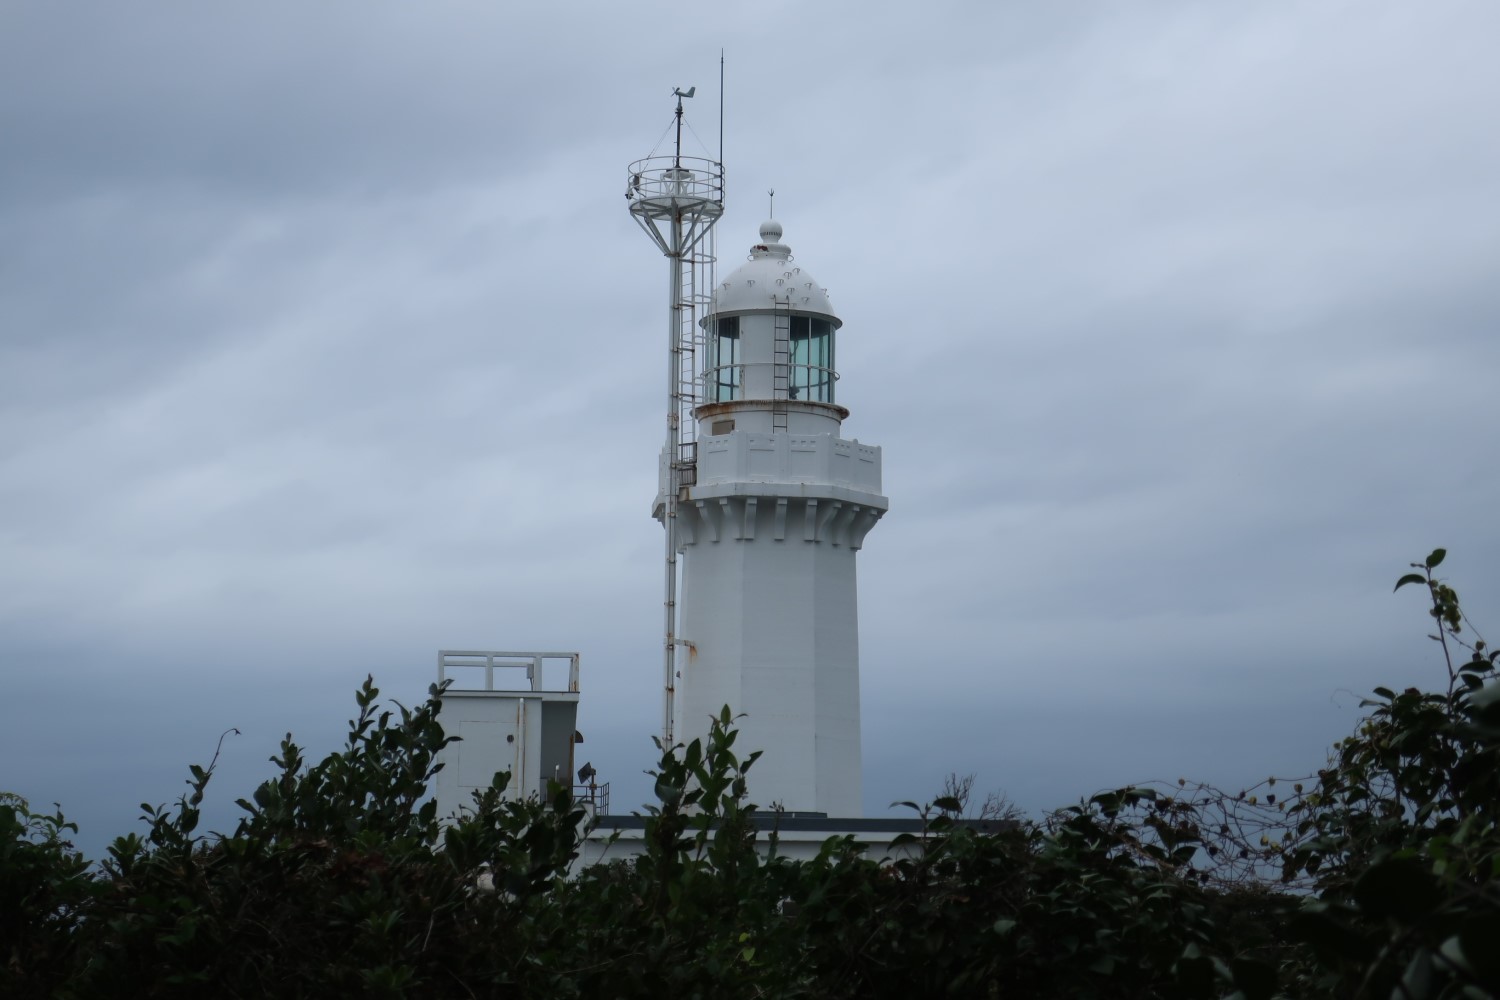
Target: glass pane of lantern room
x,y
812,359
800,345
724,373
821,354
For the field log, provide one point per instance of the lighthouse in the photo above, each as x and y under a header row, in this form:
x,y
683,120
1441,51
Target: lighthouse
x,y
768,529
763,501
765,506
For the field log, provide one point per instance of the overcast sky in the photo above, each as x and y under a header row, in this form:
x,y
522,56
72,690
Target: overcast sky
x,y
326,341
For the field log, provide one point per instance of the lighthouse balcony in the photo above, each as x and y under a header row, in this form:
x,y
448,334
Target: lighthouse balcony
x,y
811,459
804,460
784,467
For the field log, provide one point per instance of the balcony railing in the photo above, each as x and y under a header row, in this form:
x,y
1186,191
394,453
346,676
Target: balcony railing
x,y
459,666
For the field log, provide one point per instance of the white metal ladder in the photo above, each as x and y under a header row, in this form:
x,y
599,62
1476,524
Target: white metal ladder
x,y
781,371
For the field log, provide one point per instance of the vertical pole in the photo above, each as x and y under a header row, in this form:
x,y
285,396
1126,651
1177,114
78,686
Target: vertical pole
x,y
522,784
677,156
674,473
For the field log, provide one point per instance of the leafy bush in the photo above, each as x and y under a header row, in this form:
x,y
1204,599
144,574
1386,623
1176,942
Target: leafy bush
x,y
1374,877
44,889
1400,832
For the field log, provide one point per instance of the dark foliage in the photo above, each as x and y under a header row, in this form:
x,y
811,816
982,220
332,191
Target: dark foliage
x,y
1374,878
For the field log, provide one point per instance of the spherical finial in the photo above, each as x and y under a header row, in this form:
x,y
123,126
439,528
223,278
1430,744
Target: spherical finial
x,y
770,231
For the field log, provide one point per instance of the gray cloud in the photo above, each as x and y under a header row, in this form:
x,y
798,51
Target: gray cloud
x,y
325,342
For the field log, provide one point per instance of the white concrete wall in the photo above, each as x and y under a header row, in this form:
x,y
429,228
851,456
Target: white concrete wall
x,y
770,609
819,459
756,415
498,731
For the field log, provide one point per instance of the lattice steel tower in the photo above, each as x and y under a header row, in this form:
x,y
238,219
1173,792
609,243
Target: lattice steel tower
x,y
676,200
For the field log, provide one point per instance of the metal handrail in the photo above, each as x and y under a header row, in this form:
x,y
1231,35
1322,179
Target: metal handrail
x,y
713,381
662,182
597,794
490,660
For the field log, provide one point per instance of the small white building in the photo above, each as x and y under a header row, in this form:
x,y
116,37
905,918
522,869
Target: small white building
x,y
515,712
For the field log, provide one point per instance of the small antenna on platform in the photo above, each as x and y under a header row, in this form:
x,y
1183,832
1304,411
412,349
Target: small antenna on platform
x,y
772,213
679,93
721,109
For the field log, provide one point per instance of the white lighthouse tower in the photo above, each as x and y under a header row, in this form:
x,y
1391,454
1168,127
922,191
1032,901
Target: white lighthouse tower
x,y
769,527
763,502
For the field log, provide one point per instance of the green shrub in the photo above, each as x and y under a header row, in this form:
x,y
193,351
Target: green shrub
x,y
1374,878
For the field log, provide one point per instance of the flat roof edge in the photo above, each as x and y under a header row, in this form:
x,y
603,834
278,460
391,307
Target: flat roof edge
x,y
832,826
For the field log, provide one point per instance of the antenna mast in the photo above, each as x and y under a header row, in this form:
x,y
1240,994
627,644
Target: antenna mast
x,y
676,200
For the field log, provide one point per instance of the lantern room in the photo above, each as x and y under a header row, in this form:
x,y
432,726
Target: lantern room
x,y
769,341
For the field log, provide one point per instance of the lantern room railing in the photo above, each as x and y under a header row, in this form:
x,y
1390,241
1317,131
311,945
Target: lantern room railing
x,y
810,383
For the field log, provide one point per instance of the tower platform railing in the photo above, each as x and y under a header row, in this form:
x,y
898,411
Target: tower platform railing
x,y
661,186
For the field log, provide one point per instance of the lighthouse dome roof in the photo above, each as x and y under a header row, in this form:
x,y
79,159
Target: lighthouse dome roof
x,y
769,276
